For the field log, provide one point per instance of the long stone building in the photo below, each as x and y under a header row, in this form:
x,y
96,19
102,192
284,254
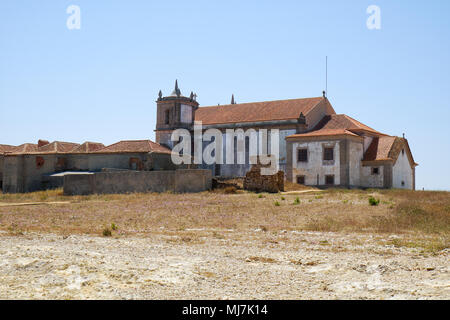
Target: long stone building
x,y
31,167
317,147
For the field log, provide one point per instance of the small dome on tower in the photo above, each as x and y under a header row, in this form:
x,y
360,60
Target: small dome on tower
x,y
176,92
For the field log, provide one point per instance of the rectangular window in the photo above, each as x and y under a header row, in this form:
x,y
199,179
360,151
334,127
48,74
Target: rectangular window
x,y
302,155
328,154
329,180
375,170
301,179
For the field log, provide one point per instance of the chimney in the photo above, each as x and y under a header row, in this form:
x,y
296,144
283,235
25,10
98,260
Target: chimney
x,y
42,143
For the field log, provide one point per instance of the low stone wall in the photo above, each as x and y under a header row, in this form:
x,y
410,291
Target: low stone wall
x,y
254,181
180,181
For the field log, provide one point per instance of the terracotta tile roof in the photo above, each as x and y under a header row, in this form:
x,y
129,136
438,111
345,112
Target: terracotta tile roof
x,y
379,149
25,148
337,124
388,148
323,132
88,147
134,146
342,121
54,147
256,111
57,147
6,148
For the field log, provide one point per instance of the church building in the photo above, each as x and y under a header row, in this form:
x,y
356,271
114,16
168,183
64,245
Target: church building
x,y
317,147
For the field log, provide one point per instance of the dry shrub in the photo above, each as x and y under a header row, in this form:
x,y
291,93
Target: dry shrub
x,y
427,217
333,224
433,246
38,196
15,230
429,214
420,213
290,186
230,190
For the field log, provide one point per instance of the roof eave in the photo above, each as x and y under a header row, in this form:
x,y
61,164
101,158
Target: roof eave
x,y
294,137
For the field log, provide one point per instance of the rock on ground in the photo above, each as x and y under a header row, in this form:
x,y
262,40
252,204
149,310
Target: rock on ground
x,y
255,265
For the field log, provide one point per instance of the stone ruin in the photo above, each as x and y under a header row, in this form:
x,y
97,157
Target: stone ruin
x,y
255,181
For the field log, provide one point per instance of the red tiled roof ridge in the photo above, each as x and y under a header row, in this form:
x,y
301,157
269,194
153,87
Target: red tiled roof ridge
x,y
87,147
265,101
360,124
7,146
343,121
380,148
58,147
24,148
323,132
124,146
4,148
263,111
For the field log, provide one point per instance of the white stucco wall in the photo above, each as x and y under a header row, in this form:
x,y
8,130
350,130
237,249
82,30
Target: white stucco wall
x,y
283,135
315,165
186,114
402,171
367,142
239,170
355,157
369,180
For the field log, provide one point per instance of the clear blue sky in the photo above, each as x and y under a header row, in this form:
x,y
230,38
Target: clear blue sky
x,y
100,83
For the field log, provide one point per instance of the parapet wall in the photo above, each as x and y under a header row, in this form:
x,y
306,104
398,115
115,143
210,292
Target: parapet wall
x,y
179,181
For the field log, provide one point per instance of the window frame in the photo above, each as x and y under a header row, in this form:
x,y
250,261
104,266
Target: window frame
x,y
306,154
375,171
301,177
325,153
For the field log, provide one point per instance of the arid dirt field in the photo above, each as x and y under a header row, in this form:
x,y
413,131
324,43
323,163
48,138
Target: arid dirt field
x,y
217,245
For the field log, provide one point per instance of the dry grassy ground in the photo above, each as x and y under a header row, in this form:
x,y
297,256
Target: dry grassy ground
x,y
225,238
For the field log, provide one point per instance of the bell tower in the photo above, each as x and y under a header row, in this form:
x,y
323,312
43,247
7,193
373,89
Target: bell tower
x,y
174,112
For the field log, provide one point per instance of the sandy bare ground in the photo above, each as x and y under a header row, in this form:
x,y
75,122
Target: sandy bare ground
x,y
227,265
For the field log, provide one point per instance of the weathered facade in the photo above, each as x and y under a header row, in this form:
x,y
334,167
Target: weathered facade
x,y
341,151
287,116
30,170
316,146
3,149
116,181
